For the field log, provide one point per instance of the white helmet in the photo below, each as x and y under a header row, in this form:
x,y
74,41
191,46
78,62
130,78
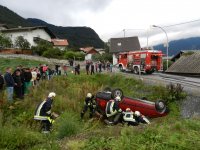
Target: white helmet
x,y
52,94
128,109
137,113
118,98
89,95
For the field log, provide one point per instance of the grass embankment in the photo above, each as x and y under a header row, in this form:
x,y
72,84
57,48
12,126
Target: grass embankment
x,y
20,131
4,63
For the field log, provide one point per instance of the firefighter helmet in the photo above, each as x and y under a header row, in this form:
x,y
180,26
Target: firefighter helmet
x,y
89,95
52,94
118,98
137,113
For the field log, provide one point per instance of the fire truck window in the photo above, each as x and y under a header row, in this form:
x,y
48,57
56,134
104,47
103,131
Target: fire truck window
x,y
143,55
154,56
124,56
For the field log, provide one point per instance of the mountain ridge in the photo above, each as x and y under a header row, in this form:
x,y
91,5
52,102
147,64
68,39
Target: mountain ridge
x,y
76,36
192,43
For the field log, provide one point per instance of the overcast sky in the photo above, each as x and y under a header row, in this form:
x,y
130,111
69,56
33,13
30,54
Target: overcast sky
x,y
109,17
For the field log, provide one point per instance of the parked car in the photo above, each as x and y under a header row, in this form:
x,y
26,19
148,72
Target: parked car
x,y
147,108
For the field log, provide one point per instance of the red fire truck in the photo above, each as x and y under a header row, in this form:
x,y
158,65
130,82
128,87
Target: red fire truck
x,y
144,61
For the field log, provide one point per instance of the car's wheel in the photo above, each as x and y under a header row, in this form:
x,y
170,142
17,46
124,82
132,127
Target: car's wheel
x,y
107,89
136,70
160,106
117,92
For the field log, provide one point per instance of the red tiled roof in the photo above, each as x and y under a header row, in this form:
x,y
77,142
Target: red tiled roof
x,y
89,50
60,42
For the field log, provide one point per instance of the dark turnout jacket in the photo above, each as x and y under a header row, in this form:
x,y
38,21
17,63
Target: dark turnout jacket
x,y
43,110
9,80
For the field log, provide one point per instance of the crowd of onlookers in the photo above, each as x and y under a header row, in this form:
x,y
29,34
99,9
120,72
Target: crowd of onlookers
x,y
18,82
92,67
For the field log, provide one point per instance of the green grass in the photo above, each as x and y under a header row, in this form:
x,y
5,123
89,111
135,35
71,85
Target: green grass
x,y
20,131
13,63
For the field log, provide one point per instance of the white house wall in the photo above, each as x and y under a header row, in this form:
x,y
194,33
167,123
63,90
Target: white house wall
x,y
115,60
29,35
88,57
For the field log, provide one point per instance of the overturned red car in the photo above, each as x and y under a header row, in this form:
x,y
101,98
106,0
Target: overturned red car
x,y
147,108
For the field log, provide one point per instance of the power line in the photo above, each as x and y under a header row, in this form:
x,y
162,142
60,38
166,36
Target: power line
x,y
181,23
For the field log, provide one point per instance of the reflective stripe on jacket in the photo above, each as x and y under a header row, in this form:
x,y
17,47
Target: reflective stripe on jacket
x,y
110,108
128,117
43,111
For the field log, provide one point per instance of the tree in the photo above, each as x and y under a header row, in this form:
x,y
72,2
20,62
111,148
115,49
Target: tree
x,y
42,46
5,42
22,43
103,57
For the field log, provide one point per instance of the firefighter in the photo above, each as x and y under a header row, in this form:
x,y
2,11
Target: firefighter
x,y
89,103
140,118
128,117
134,118
43,113
113,112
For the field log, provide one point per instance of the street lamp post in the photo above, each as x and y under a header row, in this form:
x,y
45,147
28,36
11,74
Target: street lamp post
x,y
167,41
124,30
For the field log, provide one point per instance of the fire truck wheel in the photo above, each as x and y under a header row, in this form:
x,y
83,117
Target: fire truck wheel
x,y
136,70
120,68
117,92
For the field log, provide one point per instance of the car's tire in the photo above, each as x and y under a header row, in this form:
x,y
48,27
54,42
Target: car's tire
x,y
107,89
160,106
117,92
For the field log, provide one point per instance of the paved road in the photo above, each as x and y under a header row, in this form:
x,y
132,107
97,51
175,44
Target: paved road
x,y
191,84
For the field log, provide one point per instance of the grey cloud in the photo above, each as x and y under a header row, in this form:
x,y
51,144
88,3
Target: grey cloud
x,y
173,32
60,12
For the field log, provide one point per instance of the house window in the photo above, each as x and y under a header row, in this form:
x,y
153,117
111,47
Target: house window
x,y
119,44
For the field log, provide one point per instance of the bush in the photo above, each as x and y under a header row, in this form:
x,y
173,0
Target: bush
x,y
175,93
103,57
41,47
22,43
74,55
165,64
53,53
19,138
67,125
5,42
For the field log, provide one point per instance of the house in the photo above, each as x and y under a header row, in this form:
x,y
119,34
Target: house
x,y
31,34
60,43
100,50
89,51
125,44
178,55
186,63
